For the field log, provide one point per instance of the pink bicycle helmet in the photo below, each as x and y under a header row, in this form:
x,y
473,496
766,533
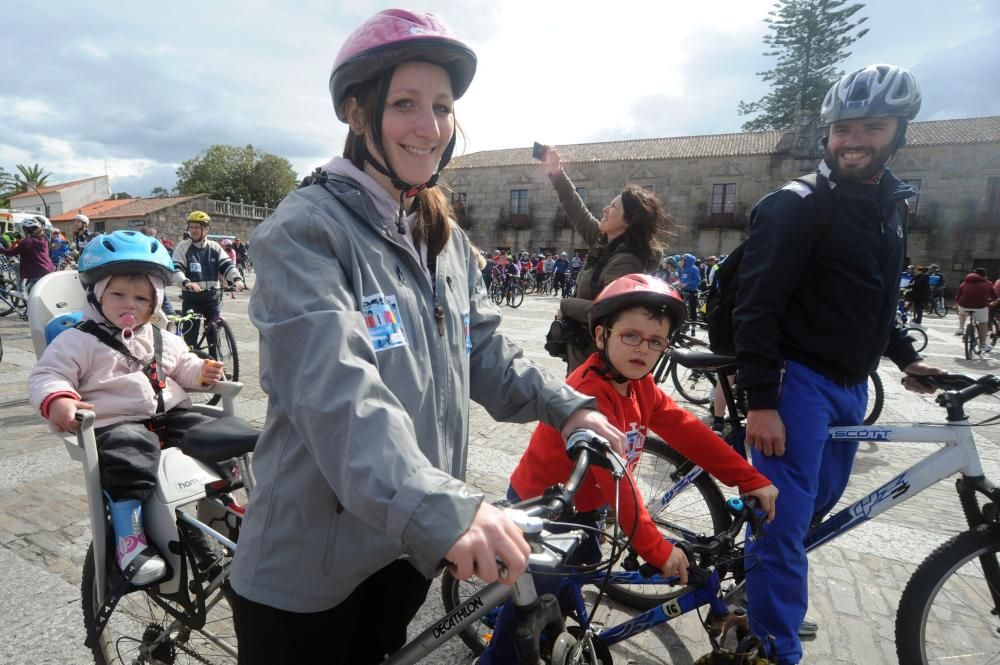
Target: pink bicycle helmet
x,y
394,36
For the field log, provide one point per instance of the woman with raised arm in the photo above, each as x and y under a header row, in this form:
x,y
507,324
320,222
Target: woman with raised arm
x,y
626,239
375,332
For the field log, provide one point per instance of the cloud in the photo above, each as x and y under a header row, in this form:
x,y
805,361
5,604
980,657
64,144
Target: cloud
x,y
145,87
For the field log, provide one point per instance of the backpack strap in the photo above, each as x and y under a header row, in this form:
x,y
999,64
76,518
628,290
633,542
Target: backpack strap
x,y
151,369
820,186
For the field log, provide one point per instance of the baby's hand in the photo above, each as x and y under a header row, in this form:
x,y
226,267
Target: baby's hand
x,y
62,413
211,372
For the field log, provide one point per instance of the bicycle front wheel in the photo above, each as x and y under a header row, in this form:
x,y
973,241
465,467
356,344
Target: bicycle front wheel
x,y
698,509
454,594
141,631
876,398
947,613
515,296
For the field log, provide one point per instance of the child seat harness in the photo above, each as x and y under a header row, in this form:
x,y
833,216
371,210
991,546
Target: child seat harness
x,y
151,369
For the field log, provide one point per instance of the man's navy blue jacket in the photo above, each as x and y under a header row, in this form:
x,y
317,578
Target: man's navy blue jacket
x,y
828,303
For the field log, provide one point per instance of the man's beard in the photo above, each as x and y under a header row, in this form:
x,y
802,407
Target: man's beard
x,y
866,173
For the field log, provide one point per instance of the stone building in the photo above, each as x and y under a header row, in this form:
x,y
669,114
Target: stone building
x,y
168,215
710,183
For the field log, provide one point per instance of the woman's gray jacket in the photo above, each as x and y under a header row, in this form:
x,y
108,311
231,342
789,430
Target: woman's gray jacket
x,y
366,438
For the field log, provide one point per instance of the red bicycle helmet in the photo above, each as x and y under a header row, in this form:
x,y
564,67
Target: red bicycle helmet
x,y
394,36
638,289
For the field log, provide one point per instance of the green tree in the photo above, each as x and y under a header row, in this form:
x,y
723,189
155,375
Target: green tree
x,y
238,174
34,175
159,192
121,195
7,187
810,38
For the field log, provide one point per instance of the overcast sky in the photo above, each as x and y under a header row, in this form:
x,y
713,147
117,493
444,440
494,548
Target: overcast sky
x,y
133,89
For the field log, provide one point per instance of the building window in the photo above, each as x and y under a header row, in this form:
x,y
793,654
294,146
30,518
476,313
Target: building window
x,y
582,193
458,199
724,199
519,202
912,202
99,227
993,199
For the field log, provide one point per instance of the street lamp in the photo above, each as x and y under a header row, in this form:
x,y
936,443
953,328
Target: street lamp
x,y
32,185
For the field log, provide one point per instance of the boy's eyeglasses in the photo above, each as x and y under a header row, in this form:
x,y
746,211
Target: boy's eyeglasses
x,y
632,338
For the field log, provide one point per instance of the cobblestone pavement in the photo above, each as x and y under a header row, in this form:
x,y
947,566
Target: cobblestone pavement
x,y
856,581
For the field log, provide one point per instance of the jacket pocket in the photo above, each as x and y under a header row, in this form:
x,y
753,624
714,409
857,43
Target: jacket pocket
x,y
331,536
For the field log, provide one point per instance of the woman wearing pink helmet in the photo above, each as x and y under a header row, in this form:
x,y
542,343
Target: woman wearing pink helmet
x,y
374,335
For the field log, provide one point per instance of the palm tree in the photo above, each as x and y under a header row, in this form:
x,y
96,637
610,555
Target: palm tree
x,y
34,175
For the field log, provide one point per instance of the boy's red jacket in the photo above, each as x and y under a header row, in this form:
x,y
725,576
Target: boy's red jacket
x,y
545,462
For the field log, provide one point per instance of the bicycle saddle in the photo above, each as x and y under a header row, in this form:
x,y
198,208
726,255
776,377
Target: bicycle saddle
x,y
219,439
701,359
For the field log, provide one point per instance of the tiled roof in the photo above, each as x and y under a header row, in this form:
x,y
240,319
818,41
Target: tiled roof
x,y
141,207
54,188
95,210
937,132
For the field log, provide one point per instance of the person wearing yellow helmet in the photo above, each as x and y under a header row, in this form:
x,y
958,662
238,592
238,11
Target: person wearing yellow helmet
x,y
201,265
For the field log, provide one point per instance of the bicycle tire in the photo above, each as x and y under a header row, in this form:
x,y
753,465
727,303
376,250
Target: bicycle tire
x,y
960,573
876,398
994,331
138,620
528,286
497,293
694,385
9,302
700,508
918,337
455,593
226,353
515,296
969,340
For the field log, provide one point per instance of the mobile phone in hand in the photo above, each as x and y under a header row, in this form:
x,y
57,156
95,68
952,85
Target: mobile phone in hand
x,y
539,151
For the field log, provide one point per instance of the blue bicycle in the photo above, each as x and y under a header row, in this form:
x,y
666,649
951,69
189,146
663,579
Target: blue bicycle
x,y
473,607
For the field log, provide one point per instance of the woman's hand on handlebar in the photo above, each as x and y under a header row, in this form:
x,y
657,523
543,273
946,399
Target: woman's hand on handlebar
x,y
599,425
676,565
766,496
492,536
552,161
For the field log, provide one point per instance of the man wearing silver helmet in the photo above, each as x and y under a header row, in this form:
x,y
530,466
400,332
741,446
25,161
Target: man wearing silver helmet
x,y
810,325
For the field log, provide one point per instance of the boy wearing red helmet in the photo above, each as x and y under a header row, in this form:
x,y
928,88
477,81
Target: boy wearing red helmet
x,y
631,320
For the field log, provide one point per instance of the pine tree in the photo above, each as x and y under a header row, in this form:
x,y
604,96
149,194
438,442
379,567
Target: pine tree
x,y
810,39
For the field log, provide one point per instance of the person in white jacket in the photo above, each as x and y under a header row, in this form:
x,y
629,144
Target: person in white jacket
x,y
132,376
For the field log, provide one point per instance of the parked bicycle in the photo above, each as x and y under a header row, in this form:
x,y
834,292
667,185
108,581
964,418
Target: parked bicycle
x,y
13,296
216,341
950,608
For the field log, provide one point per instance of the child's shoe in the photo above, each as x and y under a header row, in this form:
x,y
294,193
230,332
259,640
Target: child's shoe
x,y
130,539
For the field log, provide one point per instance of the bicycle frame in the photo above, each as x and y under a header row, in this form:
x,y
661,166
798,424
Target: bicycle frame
x,y
484,601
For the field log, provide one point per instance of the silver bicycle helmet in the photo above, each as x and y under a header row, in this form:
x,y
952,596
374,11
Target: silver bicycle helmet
x,y
871,92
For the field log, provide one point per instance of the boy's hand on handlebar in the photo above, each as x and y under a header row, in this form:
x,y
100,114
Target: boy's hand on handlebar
x,y
676,565
766,497
62,413
491,536
193,288
599,425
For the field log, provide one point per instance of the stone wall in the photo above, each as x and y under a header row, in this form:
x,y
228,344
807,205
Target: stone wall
x,y
949,228
172,222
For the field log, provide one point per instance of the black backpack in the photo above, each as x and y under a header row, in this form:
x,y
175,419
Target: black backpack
x,y
725,286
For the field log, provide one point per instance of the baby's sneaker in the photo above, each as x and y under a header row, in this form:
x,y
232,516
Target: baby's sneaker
x,y
130,540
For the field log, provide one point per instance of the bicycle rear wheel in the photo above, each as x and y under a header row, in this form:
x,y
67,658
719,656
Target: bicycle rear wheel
x,y
876,398
970,340
939,307
138,623
8,301
947,613
994,331
697,509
